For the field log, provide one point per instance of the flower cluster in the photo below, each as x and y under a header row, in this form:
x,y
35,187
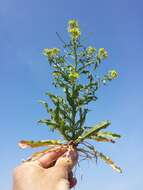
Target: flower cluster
x,y
102,53
112,74
51,52
56,73
73,75
90,50
74,29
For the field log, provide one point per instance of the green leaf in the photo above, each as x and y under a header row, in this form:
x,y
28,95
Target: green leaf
x,y
45,104
105,137
53,126
109,135
52,97
69,98
82,115
48,122
109,161
93,130
102,139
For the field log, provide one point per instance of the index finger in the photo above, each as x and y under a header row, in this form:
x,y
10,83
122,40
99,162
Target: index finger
x,y
50,157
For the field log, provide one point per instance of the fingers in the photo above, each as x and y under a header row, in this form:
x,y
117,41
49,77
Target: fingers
x,y
68,159
64,165
63,159
49,158
61,156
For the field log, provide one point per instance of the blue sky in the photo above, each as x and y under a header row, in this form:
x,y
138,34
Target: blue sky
x,y
26,27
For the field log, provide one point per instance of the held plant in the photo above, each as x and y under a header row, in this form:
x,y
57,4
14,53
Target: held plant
x,y
75,72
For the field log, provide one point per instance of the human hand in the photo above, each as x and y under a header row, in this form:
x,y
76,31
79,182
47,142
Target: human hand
x,y
40,175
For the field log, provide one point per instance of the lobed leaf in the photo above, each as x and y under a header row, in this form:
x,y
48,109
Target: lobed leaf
x,y
35,144
109,161
61,127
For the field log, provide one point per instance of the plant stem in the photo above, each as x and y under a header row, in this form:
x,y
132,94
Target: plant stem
x,y
74,111
75,52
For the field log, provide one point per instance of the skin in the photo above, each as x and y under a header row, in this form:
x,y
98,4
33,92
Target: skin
x,y
53,171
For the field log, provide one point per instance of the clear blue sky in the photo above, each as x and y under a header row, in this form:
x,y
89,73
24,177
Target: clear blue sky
x,y
26,27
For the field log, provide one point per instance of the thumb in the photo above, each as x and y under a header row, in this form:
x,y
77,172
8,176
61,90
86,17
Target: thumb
x,y
68,159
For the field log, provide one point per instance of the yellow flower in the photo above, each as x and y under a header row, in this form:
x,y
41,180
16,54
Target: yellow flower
x,y
112,74
102,53
75,32
73,24
51,52
74,29
62,122
90,50
56,73
74,75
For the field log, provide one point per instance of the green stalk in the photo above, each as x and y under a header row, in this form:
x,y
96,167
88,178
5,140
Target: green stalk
x,y
74,111
75,54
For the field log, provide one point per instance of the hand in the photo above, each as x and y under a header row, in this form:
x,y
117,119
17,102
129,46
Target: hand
x,y
40,175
